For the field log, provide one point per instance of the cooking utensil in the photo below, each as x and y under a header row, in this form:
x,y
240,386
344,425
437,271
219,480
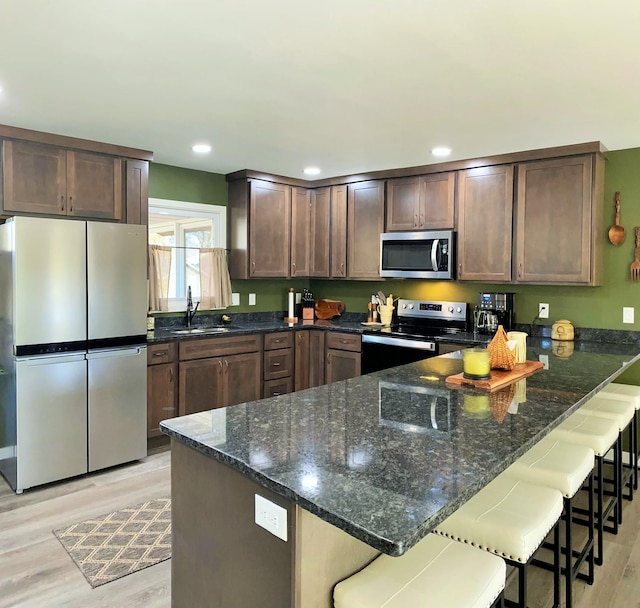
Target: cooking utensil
x,y
381,297
635,265
616,232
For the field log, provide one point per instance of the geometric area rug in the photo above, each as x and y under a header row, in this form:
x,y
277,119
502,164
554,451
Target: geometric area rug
x,y
116,544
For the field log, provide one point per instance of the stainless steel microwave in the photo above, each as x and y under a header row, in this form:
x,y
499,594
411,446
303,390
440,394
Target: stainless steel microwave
x,y
417,255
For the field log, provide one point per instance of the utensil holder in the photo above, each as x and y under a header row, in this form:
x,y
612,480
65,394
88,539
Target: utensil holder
x,y
386,312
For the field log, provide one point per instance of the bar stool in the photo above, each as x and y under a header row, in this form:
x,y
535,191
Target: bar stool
x,y
563,467
510,518
622,412
631,394
434,573
599,434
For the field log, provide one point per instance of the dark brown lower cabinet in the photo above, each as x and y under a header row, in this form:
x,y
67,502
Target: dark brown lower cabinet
x,y
343,356
309,359
162,380
218,372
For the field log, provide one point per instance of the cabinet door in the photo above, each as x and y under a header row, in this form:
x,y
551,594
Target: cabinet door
x,y
301,360
316,358
300,231
403,204
35,178
338,243
94,186
437,201
243,378
269,229
485,206
365,212
137,191
161,396
341,365
554,221
320,232
201,385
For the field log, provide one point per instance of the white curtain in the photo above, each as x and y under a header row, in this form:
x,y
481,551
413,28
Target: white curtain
x,y
215,284
159,270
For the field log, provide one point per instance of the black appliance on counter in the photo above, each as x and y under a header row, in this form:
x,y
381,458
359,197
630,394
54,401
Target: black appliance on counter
x,y
493,309
419,331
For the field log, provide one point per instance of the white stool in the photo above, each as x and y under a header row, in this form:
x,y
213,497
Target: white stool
x,y
563,467
510,518
631,394
436,572
599,434
622,412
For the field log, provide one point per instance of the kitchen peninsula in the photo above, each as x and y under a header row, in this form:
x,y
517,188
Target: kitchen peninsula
x,y
361,466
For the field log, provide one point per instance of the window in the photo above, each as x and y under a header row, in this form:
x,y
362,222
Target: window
x,y
186,227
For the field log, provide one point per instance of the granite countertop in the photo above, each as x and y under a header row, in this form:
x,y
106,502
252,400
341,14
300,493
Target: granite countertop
x,y
236,329
387,456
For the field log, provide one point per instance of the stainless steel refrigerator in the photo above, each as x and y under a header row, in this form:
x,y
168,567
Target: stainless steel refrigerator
x,y
73,348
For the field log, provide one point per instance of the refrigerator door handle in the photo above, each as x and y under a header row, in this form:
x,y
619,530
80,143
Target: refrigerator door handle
x,y
50,359
116,352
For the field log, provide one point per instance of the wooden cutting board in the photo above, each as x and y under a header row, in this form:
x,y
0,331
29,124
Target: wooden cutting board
x,y
499,377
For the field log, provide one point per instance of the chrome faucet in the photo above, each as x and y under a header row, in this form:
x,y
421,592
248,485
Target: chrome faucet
x,y
191,311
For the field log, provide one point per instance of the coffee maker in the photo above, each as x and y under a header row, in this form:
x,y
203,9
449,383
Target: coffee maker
x,y
493,309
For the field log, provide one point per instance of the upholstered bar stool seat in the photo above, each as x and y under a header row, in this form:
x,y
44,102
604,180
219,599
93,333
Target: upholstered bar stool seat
x,y
434,573
599,434
631,394
564,467
510,518
622,412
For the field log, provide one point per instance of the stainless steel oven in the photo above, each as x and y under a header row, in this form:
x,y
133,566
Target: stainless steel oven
x,y
414,335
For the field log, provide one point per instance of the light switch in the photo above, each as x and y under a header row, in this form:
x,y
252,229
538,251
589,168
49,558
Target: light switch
x,y
252,299
235,299
627,314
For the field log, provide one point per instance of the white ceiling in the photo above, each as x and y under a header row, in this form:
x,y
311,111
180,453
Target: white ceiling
x,y
347,85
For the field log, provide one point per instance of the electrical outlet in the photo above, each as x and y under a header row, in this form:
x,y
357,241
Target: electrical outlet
x,y
235,299
252,299
543,311
298,298
271,517
627,314
544,359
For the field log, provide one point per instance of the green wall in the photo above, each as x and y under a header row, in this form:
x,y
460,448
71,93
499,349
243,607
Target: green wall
x,y
599,307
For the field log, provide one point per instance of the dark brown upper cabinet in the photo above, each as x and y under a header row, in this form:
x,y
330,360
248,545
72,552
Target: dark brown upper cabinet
x,y
338,230
425,202
558,221
310,215
259,216
365,213
137,191
485,210
48,180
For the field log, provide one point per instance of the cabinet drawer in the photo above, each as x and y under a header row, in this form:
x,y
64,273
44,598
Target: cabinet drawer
x,y
343,341
280,339
161,353
278,363
273,388
215,347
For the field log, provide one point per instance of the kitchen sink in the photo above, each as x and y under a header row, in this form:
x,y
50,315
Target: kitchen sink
x,y
200,331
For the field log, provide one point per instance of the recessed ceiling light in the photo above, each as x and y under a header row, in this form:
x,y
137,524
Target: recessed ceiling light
x,y
441,151
311,171
201,148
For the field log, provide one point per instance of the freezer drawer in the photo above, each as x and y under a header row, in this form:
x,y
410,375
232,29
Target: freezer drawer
x,y
117,406
51,419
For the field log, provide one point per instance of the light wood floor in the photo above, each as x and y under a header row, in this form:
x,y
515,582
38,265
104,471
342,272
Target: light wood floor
x,y
35,571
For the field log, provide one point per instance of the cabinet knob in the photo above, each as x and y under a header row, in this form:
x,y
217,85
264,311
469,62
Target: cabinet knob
x,y
415,220
171,374
276,364
421,220
342,268
520,270
226,363
220,363
62,202
71,204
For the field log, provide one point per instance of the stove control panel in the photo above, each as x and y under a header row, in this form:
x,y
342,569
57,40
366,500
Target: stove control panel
x,y
422,309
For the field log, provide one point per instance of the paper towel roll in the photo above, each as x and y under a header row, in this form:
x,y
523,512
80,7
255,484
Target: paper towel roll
x,y
291,304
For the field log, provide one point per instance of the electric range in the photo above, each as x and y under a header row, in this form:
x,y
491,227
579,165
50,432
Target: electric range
x,y
412,335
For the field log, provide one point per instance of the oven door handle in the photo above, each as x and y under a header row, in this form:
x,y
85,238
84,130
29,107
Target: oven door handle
x,y
390,341
434,254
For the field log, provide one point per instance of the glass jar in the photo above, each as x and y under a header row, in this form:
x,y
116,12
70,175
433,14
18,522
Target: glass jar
x,y
476,363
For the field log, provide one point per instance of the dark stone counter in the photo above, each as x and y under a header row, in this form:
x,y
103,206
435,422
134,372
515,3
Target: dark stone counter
x,y
387,456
